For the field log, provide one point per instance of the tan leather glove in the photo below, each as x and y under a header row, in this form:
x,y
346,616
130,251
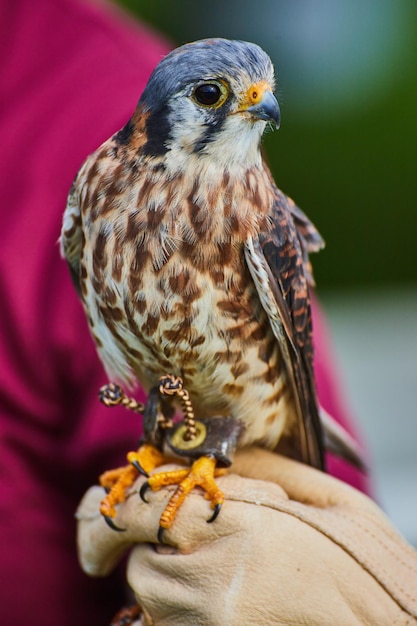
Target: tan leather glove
x,y
302,548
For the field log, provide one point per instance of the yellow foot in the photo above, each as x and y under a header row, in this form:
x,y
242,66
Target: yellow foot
x,y
201,474
118,481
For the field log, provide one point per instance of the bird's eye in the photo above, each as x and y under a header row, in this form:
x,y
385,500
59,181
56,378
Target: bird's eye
x,y
207,94
211,94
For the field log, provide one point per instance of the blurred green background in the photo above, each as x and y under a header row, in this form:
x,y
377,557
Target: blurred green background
x,y
346,150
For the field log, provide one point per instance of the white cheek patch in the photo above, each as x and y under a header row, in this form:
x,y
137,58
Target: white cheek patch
x,y
187,123
237,143
233,148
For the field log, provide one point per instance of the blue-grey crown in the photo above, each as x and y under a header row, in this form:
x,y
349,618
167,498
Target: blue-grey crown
x,y
204,59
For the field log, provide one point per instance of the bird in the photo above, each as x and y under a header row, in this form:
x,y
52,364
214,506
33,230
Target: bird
x,y
189,259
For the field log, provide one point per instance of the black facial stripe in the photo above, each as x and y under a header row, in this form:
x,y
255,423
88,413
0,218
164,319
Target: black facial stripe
x,y
157,132
211,129
124,135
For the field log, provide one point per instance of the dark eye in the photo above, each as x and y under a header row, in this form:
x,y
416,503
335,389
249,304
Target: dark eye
x,y
211,94
208,94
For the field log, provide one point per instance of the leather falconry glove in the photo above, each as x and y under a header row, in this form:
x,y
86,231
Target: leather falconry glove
x,y
292,546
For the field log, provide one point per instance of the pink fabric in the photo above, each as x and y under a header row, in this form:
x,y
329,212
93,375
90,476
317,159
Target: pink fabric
x,y
71,75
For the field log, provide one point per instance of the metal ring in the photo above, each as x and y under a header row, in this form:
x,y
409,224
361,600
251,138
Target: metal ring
x,y
179,441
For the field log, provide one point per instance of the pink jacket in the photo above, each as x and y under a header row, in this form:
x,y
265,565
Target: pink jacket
x,y
71,75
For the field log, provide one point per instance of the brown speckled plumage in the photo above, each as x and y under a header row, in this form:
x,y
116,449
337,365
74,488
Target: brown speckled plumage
x,y
189,260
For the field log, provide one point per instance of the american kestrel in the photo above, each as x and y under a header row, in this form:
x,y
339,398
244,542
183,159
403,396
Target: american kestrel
x,y
188,258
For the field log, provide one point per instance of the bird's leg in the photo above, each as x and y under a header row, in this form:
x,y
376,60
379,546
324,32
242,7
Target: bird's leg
x,y
201,474
116,482
208,442
189,436
147,457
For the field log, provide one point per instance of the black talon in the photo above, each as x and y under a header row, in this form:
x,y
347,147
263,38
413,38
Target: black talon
x,y
161,534
112,525
215,513
139,468
143,490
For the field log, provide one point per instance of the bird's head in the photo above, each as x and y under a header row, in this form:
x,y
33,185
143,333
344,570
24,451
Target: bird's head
x,y
211,98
